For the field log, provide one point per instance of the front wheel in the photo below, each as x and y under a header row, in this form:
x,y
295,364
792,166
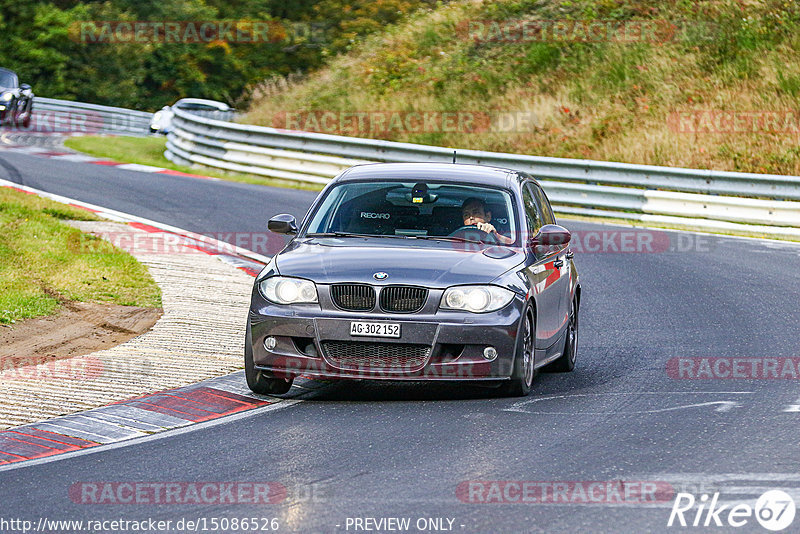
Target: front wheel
x,y
261,382
26,122
523,372
566,362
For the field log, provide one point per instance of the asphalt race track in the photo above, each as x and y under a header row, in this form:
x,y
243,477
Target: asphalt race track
x,y
628,415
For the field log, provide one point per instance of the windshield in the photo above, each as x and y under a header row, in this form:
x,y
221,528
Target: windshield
x,y
199,107
8,79
419,210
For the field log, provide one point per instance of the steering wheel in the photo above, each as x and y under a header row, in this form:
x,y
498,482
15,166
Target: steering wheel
x,y
484,237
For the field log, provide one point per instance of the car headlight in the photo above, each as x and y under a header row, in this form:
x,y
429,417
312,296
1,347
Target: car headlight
x,y
284,290
157,117
476,299
6,97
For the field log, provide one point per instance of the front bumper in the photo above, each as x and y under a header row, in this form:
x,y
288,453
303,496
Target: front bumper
x,y
444,345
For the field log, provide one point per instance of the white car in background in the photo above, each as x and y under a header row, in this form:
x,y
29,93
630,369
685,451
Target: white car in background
x,y
162,119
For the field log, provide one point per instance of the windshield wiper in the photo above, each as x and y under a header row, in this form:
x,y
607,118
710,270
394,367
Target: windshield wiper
x,y
451,238
399,236
351,234
334,234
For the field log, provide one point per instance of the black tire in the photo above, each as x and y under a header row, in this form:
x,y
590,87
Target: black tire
x,y
566,362
523,373
259,381
26,122
16,116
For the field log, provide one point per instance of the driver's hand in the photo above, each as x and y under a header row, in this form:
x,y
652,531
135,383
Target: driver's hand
x,y
486,227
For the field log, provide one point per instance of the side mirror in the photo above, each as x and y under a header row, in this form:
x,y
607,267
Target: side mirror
x,y
25,87
283,224
551,234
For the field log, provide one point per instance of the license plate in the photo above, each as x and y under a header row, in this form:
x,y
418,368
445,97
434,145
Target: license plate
x,y
358,328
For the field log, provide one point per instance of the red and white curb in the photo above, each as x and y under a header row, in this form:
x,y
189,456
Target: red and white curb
x,y
150,414
129,419
83,158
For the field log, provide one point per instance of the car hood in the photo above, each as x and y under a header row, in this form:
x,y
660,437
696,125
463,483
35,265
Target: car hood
x,y
426,263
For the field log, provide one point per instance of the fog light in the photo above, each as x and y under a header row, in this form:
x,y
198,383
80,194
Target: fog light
x,y
270,343
490,353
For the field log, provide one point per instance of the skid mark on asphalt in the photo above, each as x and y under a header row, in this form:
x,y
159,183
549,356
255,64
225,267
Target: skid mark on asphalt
x,y
675,400
793,408
733,488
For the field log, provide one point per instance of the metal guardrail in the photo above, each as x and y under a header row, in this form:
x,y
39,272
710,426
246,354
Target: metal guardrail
x,y
51,115
699,199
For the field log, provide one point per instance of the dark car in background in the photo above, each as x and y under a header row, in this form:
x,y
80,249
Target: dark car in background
x,y
16,100
389,278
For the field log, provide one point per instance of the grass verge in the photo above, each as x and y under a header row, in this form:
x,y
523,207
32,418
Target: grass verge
x,y
150,151
44,262
715,86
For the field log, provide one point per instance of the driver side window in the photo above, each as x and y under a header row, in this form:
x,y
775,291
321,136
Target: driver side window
x,y
533,212
544,204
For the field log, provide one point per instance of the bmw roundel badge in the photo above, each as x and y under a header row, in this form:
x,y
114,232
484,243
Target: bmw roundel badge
x,y
380,276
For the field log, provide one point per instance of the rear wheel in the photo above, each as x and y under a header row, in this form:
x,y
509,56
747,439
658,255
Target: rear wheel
x,y
566,362
259,381
523,372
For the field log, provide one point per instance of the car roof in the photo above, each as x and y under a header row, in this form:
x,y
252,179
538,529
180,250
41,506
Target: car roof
x,y
449,172
11,72
219,105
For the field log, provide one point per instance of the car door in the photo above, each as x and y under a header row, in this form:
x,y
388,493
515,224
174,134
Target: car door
x,y
542,275
561,257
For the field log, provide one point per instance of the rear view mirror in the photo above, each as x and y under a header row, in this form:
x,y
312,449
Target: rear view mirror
x,y
551,234
283,224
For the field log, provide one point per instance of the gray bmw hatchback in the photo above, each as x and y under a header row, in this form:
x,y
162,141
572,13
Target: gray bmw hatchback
x,y
412,271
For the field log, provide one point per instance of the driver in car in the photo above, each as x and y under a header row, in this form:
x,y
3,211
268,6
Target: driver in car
x,y
474,212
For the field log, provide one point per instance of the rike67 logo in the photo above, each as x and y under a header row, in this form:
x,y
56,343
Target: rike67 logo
x,y
774,510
